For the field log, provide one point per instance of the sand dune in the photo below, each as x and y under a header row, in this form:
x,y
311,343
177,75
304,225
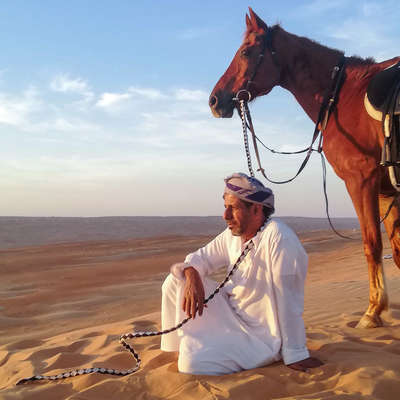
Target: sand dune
x,y
64,307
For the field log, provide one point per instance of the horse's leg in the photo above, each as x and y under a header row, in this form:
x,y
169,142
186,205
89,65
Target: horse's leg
x,y
392,223
364,194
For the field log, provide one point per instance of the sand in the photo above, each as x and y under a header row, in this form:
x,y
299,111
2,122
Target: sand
x,y
64,306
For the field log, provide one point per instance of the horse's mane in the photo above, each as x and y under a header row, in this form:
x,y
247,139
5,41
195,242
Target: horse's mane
x,y
357,60
352,60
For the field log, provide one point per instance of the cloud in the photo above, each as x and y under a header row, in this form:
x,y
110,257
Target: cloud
x,y
140,95
64,84
111,99
191,95
147,93
358,38
364,28
69,124
15,110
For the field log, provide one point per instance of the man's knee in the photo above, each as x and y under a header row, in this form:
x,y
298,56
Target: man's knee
x,y
170,284
187,364
195,365
188,361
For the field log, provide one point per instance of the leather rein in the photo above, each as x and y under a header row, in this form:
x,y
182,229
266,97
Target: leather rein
x,y
243,97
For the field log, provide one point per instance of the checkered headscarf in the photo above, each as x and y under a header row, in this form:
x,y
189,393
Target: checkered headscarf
x,y
249,189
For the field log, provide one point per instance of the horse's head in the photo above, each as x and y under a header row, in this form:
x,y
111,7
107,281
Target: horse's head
x,y
253,69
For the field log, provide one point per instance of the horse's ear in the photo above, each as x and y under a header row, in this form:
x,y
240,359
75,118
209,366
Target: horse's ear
x,y
248,22
256,22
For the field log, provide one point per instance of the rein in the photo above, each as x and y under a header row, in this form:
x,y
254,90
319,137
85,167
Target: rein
x,y
322,120
133,335
243,96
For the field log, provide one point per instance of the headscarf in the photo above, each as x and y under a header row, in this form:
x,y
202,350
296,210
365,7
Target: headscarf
x,y
250,189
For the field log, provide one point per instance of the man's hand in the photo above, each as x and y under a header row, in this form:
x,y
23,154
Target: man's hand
x,y
193,295
303,365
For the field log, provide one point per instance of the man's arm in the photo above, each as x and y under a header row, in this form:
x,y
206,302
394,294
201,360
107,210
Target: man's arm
x,y
193,295
289,271
197,264
212,256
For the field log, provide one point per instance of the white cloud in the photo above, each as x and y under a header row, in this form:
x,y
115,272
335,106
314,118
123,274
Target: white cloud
x,y
362,27
111,99
64,84
67,124
15,110
358,38
148,93
156,96
196,101
191,95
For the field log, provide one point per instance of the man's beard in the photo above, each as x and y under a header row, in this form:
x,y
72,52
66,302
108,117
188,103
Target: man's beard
x,y
236,230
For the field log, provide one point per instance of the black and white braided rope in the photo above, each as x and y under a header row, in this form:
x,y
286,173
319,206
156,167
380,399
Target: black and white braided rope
x,y
133,335
243,106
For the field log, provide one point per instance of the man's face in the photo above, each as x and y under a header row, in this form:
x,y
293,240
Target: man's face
x,y
237,215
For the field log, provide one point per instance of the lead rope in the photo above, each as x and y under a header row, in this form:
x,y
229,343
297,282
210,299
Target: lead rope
x,y
133,335
243,107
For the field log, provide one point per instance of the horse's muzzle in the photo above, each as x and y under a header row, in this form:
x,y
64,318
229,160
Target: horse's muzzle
x,y
221,105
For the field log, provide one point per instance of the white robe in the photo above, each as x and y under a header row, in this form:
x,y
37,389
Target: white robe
x,y
256,318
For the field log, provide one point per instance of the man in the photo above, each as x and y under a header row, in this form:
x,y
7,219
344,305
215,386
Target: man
x,y
256,319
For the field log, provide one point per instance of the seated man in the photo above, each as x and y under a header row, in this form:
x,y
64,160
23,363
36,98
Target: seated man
x,y
256,318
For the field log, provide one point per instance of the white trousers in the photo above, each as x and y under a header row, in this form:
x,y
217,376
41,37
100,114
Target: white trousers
x,y
216,343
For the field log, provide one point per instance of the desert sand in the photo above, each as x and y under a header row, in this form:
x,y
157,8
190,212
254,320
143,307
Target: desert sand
x,y
64,306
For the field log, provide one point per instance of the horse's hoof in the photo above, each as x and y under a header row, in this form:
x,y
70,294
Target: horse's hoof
x,y
370,321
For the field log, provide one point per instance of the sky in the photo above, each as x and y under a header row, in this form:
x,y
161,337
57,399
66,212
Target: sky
x,y
104,104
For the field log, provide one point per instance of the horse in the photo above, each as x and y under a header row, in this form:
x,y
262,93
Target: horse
x,y
352,139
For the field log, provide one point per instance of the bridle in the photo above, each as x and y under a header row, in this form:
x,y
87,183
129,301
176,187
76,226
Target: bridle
x,y
243,96
266,38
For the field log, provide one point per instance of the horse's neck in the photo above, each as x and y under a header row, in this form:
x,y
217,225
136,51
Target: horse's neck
x,y
306,69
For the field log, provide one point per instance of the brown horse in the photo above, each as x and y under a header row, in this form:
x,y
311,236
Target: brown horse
x,y
352,139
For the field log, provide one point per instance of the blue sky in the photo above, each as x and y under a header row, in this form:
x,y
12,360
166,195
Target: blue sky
x,y
103,104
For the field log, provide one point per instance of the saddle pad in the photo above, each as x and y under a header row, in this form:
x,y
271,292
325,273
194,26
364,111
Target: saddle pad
x,y
382,86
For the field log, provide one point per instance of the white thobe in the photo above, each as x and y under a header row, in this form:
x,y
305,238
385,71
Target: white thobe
x,y
256,318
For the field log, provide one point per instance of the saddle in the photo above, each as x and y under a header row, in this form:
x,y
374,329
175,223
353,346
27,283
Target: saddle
x,y
382,102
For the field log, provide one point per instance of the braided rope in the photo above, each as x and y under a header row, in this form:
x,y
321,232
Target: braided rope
x,y
133,335
245,136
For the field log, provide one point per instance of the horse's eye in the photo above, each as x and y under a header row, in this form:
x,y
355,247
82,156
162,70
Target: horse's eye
x,y
244,53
